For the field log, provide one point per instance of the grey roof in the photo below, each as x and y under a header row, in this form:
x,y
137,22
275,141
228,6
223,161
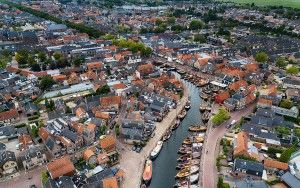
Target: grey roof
x,y
50,143
106,173
291,180
290,81
7,131
65,182
69,134
250,128
251,167
249,182
6,156
50,183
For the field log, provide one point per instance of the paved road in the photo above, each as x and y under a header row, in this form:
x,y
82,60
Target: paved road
x,y
25,180
208,160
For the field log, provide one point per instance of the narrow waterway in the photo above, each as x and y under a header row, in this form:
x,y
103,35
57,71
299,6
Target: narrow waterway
x,y
165,164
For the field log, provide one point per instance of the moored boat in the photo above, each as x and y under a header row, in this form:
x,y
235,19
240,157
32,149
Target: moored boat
x,y
147,174
156,150
197,128
182,173
167,136
204,96
182,114
187,141
194,178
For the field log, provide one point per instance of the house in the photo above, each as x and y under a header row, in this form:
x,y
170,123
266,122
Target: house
x,y
108,144
244,147
10,116
132,130
243,167
61,167
103,159
50,143
291,83
110,102
24,142
293,112
110,182
222,96
145,69
273,165
293,94
250,182
8,163
264,103
95,66
33,157
81,113
290,180
89,156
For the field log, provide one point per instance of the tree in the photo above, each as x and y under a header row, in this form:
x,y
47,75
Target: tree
x,y
57,56
22,57
196,24
146,52
281,62
171,20
221,116
35,67
199,38
46,82
117,129
103,129
287,153
293,70
44,176
103,90
261,57
78,61
286,103
42,56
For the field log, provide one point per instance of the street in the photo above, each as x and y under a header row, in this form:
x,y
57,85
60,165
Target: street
x,y
210,148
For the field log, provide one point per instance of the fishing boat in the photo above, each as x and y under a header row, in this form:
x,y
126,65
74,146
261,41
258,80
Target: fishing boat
x,y
181,183
144,186
175,125
167,135
156,150
184,150
203,82
182,114
202,107
194,186
206,90
208,108
205,117
183,173
182,166
199,139
194,169
194,178
147,174
187,105
197,128
187,141
215,89
185,157
204,96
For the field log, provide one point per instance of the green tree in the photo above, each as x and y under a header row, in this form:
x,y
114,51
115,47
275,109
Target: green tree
x,y
57,56
117,129
22,57
221,116
293,70
78,61
286,103
199,38
44,176
196,24
42,56
103,129
281,62
287,153
46,82
261,57
103,90
171,20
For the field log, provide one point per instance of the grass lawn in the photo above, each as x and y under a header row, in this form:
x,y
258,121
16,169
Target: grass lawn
x,y
285,3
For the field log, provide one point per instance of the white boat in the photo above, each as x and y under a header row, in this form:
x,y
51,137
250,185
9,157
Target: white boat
x,y
194,178
194,169
194,186
156,150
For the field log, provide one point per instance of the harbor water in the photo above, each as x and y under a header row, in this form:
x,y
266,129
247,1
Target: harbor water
x,y
165,164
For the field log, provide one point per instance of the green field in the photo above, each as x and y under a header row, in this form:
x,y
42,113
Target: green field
x,y
285,3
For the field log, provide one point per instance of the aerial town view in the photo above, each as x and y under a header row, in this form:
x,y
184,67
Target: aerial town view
x,y
149,94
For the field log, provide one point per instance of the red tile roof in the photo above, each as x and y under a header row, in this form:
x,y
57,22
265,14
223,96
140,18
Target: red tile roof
x,y
60,167
7,115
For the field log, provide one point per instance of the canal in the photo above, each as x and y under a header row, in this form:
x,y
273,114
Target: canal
x,y
165,164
